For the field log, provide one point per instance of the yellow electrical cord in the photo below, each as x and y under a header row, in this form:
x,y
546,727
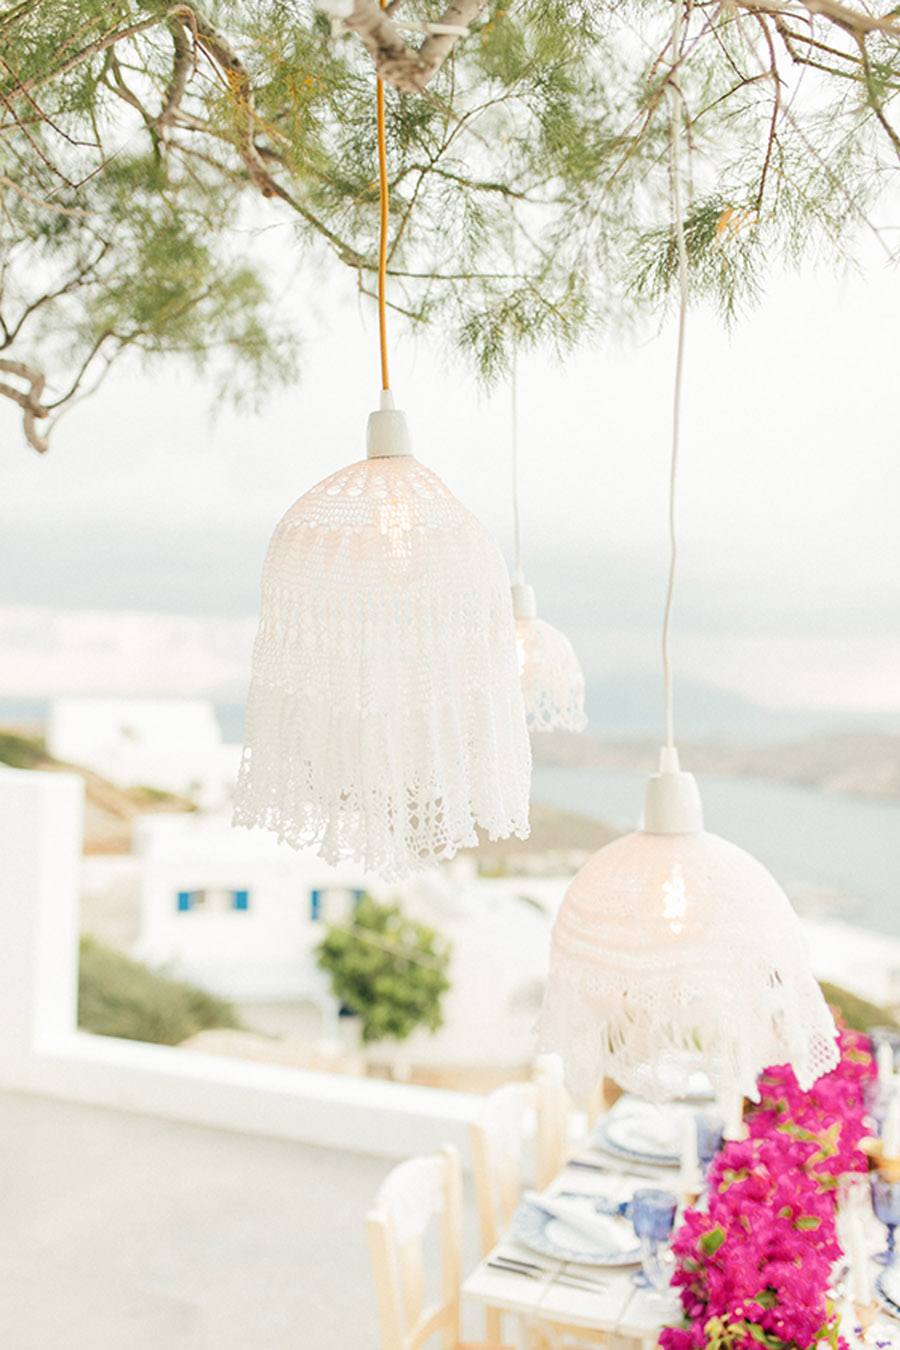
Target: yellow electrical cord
x,y
383,232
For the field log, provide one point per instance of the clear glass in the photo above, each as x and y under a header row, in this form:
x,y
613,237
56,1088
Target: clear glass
x,y
886,1204
653,1216
886,1036
876,1100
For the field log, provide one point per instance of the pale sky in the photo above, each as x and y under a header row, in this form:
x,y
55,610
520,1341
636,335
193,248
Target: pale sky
x,y
131,553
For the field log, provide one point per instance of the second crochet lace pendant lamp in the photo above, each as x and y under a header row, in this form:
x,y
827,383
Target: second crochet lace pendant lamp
x,y
385,720
675,951
552,678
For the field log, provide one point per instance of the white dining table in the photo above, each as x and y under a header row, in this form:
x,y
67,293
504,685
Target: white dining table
x,y
613,1304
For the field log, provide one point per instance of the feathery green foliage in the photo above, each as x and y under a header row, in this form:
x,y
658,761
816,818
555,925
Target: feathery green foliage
x,y
144,148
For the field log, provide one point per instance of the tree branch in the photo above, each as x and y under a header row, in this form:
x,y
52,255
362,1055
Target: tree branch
x,y
853,21
776,111
181,71
29,401
408,69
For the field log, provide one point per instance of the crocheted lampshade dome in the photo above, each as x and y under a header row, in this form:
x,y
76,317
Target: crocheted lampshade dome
x,y
674,952
385,718
552,678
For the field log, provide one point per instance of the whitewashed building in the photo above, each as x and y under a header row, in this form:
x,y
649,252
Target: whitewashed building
x,y
174,744
241,915
234,910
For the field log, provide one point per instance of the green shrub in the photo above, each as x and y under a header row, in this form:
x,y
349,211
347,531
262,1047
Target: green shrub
x,y
22,752
389,970
857,1012
121,997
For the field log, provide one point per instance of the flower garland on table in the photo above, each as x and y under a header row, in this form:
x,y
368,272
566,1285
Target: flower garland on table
x,y
754,1268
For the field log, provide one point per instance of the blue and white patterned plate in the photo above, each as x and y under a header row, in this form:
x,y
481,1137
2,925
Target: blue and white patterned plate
x,y
885,1300
637,1131
553,1237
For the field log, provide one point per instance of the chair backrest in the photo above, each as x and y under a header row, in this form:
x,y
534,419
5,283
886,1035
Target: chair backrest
x,y
510,1116
597,1105
415,1195
498,1165
553,1106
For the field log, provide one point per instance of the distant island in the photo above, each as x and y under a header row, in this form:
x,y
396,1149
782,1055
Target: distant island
x,y
856,763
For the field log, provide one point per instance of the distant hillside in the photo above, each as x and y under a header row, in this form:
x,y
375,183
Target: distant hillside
x,y
109,810
628,704
862,764
560,841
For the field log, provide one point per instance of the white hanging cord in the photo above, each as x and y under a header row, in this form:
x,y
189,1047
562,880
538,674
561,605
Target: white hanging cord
x,y
676,104
518,574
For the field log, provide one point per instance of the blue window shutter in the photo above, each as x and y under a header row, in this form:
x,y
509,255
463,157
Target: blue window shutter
x,y
357,896
315,905
184,901
241,899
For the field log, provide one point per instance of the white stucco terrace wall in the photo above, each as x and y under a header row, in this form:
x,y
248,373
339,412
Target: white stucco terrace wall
x,y
42,1051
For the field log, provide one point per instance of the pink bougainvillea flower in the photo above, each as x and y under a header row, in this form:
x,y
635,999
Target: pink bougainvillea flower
x,y
754,1266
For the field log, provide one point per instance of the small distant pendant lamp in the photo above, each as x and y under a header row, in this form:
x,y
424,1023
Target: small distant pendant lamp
x,y
674,951
552,678
385,719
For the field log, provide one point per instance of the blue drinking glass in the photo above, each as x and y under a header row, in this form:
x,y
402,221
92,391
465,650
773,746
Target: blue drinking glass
x,y
886,1204
710,1136
653,1215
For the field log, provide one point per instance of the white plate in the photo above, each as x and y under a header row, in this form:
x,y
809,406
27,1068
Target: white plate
x,y
644,1132
552,1237
889,1280
885,1302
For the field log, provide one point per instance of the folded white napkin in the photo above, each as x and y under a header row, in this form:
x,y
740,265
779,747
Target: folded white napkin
x,y
608,1233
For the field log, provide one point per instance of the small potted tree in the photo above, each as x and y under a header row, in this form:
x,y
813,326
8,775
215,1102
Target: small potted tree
x,y
387,970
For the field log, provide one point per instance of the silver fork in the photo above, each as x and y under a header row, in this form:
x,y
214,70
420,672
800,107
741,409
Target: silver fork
x,y
513,1266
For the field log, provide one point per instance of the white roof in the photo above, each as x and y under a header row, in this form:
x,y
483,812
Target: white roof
x,y
158,722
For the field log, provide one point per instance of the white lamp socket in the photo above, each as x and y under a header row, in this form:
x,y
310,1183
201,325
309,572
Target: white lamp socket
x,y
672,800
387,433
524,603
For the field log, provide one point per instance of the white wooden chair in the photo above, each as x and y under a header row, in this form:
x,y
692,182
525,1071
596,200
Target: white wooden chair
x,y
553,1109
499,1160
499,1166
598,1104
498,1148
417,1193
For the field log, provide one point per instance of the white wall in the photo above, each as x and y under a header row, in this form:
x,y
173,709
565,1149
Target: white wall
x,y
41,1050
41,827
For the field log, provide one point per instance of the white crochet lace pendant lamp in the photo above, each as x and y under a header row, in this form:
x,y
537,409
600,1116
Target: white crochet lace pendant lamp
x,y
385,720
673,951
551,674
